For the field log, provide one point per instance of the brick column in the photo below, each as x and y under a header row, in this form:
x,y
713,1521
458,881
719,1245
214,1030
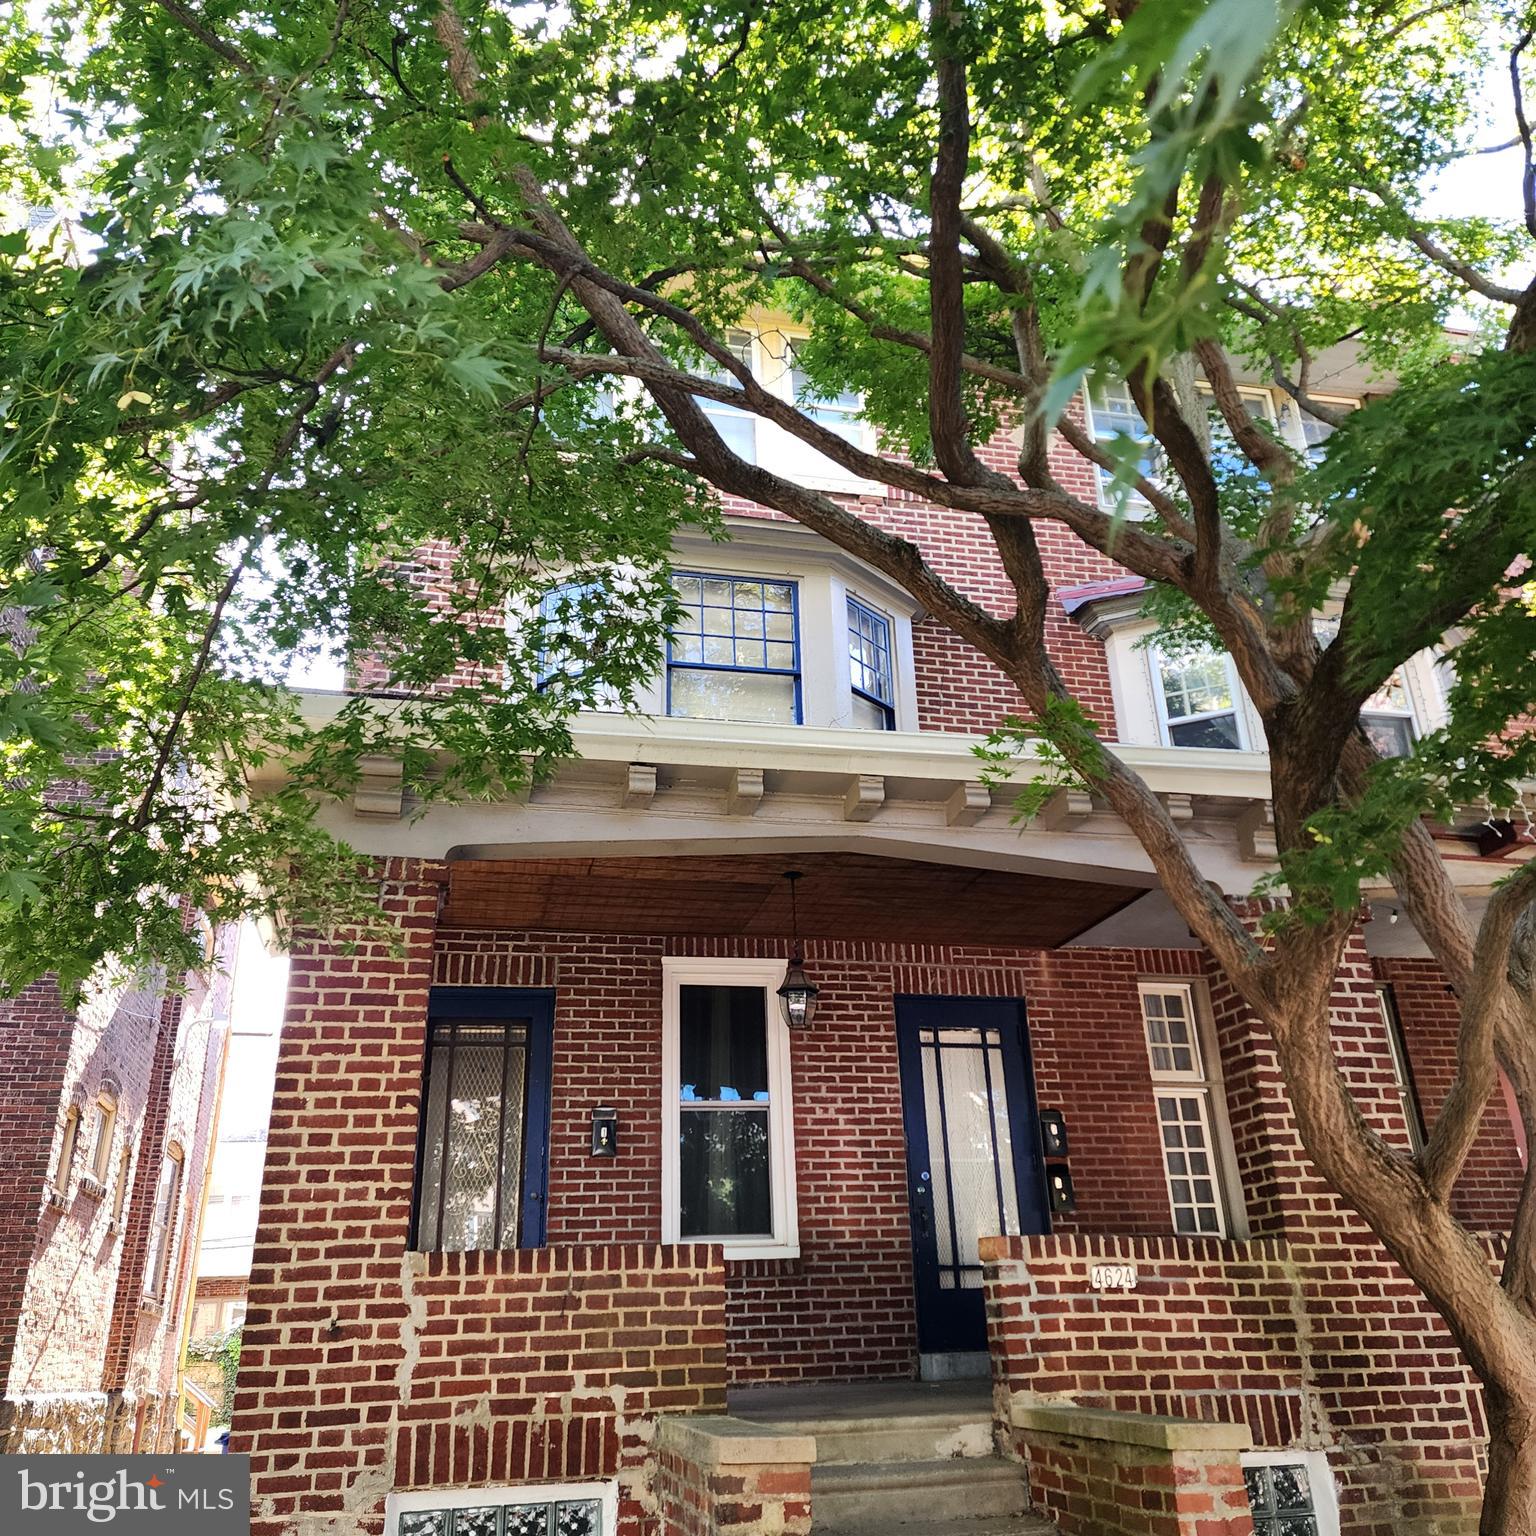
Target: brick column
x,y
35,1034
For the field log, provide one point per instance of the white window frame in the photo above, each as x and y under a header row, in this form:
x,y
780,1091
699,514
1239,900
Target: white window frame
x,y
1155,658
1136,505
1292,420
676,973
1325,1491
409,1502
782,451
1204,1084
749,353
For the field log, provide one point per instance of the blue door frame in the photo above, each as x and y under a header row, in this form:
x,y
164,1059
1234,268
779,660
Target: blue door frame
x,y
952,1318
536,1008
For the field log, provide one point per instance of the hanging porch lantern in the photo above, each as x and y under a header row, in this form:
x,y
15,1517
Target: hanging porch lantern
x,y
797,996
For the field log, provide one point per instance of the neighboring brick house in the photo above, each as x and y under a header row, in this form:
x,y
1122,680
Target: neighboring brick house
x,y
106,1120
550,1180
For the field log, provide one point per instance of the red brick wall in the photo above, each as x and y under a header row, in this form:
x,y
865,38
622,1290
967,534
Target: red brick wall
x,y
1313,1337
72,1318
1093,1487
366,1368
1489,1187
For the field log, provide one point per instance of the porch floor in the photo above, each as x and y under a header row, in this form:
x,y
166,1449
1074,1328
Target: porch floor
x,y
807,1404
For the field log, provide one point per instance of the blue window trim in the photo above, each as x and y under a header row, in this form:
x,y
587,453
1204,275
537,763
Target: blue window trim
x,y
546,614
888,705
714,666
446,1004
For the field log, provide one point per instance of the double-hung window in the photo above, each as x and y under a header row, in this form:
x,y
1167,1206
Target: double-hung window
x,y
1387,716
1183,1092
735,651
162,1226
737,428
871,674
840,412
104,1123
728,1155
1112,413
482,1148
564,630
1198,698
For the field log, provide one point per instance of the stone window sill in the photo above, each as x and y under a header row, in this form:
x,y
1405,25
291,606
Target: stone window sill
x,y
92,1189
53,1200
151,1305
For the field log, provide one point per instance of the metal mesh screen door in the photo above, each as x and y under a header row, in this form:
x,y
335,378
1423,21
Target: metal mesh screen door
x,y
482,1148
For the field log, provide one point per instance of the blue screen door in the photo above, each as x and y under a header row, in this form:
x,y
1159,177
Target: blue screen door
x,y
973,1153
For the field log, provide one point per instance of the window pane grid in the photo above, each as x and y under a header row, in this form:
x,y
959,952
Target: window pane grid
x,y
1171,1035
869,656
734,652
1199,699
1188,1161
738,427
1113,413
564,630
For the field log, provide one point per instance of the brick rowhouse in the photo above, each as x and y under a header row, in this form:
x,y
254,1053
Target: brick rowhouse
x,y
379,1374
90,1334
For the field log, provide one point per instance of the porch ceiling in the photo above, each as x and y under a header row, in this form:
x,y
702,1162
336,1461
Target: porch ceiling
x,y
843,896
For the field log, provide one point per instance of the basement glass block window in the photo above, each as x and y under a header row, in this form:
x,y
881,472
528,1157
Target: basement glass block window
x,y
735,651
565,1517
1280,1496
724,1183
473,1116
869,667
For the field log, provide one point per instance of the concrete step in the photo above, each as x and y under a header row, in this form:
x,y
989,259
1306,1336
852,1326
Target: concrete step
x,y
941,1525
852,1497
915,1437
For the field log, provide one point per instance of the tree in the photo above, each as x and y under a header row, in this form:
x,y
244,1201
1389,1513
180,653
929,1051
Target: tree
x,y
351,280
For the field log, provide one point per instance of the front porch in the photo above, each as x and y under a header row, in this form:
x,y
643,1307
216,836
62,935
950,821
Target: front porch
x,y
613,1314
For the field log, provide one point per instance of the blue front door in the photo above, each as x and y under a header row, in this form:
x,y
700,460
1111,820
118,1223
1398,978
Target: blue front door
x,y
973,1153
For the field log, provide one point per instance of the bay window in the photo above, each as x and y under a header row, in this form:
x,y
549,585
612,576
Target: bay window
x,y
735,651
871,674
727,1128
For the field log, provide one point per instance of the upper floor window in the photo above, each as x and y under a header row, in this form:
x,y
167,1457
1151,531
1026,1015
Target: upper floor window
x,y
841,413
1198,698
735,651
483,1139
869,666
738,428
162,1225
1387,716
66,1161
104,1123
563,630
1112,413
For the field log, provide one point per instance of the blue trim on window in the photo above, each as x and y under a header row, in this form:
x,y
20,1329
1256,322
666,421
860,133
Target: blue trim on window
x,y
877,631
537,1006
547,604
714,666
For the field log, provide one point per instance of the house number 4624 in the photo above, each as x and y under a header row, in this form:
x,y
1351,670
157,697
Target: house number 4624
x,y
1113,1277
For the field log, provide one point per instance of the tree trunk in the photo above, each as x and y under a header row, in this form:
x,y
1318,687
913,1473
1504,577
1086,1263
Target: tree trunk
x,y
1509,1503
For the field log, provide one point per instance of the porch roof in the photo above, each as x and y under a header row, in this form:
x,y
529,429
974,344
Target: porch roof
x,y
843,896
